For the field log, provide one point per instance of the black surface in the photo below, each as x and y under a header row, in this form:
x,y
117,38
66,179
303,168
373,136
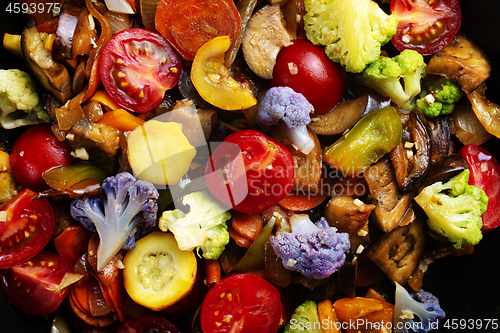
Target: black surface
x,y
468,287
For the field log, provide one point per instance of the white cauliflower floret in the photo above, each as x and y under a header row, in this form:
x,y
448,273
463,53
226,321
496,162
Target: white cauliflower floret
x,y
19,101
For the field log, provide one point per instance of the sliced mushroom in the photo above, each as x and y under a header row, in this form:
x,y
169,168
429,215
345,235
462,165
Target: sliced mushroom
x,y
53,76
467,127
100,141
442,142
264,36
411,158
351,216
85,34
398,253
461,61
486,111
308,168
391,204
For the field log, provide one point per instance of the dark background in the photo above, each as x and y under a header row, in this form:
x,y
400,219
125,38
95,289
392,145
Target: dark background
x,y
467,287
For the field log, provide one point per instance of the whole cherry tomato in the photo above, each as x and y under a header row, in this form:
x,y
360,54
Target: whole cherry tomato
x,y
485,174
35,151
31,286
241,303
305,68
27,229
250,171
425,26
137,67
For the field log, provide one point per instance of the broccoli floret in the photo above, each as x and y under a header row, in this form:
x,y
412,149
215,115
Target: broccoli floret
x,y
314,249
418,312
397,78
454,209
19,101
305,319
351,31
290,112
203,228
125,211
438,96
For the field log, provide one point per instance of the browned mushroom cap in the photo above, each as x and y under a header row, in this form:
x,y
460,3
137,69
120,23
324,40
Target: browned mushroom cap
x,y
391,204
411,158
486,111
461,61
398,253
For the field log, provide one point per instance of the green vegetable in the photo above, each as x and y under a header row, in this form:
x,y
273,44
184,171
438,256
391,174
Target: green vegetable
x,y
438,96
454,209
19,101
203,227
372,137
305,319
397,78
351,31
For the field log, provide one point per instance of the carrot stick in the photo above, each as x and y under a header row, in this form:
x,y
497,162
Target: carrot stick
x,y
301,202
371,293
238,239
247,225
213,272
327,317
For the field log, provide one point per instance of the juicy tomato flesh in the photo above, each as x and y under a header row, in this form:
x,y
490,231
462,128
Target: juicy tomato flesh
x,y
137,67
250,171
32,285
425,26
28,228
241,303
485,174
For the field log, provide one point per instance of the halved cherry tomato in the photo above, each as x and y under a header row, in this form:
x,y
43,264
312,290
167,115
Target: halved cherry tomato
x,y
241,303
27,229
250,171
188,24
485,174
305,68
32,285
425,26
35,151
148,323
137,66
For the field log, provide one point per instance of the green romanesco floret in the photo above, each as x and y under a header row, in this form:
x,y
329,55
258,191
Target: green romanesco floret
x,y
20,104
438,96
397,78
305,319
454,209
203,228
352,31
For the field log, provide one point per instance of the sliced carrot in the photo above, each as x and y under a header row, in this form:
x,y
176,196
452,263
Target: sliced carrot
x,y
238,239
121,119
101,321
80,291
299,202
328,317
213,272
371,293
72,242
188,24
247,225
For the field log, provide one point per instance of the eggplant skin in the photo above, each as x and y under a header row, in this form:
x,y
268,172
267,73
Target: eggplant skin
x,y
53,76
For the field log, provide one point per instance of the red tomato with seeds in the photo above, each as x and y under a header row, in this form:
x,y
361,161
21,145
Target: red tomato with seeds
x,y
241,303
425,26
485,174
137,67
35,151
250,171
305,68
31,286
28,228
148,323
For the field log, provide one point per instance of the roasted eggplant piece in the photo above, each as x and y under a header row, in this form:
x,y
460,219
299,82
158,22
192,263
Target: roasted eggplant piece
x,y
398,253
443,171
391,204
411,158
461,61
442,141
53,76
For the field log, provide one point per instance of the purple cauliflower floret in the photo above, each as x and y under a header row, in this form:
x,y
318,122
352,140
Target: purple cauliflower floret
x,y
125,211
290,112
314,249
416,311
